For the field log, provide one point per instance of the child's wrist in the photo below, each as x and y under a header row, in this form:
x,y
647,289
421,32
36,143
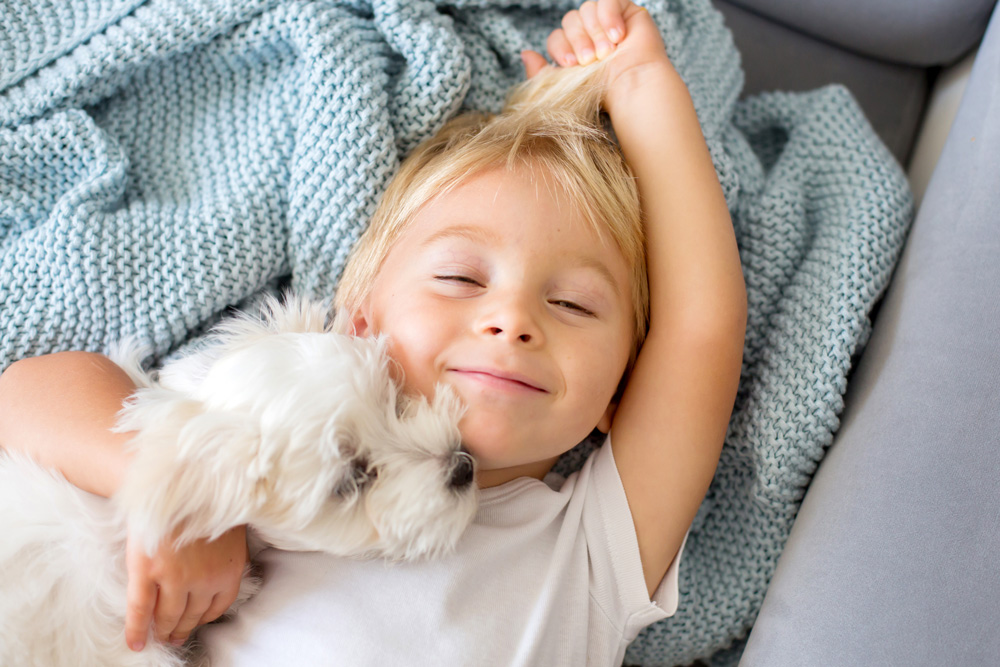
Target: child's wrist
x,y
641,86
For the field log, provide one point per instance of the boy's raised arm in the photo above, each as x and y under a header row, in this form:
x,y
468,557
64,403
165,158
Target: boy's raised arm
x,y
669,428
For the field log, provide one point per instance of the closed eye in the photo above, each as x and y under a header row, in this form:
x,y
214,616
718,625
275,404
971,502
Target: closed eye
x,y
569,305
459,279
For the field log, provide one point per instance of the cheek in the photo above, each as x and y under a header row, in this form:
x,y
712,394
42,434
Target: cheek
x,y
599,371
601,387
414,341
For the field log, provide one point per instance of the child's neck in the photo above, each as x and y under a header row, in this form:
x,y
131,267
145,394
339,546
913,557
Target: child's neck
x,y
537,469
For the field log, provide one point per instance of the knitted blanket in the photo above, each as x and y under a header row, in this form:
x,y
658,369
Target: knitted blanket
x,y
162,160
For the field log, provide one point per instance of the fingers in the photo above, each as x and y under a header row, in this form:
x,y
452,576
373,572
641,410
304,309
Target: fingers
x,y
189,619
589,33
162,593
533,61
169,610
576,34
173,615
611,14
173,611
139,612
219,605
603,45
560,49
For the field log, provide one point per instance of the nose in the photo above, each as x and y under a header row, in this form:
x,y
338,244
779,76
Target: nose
x,y
509,316
463,470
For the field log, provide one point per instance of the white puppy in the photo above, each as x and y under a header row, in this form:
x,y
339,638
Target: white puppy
x,y
277,423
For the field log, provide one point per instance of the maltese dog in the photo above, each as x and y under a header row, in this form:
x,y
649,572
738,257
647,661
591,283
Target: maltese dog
x,y
277,423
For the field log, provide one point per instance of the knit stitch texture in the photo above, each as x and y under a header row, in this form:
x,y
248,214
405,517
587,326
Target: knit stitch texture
x,y
162,160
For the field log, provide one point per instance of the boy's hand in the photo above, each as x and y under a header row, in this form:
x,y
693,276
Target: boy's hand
x,y
601,28
179,589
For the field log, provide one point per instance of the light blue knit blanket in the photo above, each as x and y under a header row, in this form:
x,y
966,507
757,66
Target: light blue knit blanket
x,y
161,160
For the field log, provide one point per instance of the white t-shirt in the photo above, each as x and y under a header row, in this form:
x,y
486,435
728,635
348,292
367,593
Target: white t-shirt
x,y
547,574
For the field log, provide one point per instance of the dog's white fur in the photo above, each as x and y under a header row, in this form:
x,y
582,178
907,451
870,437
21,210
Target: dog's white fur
x,y
277,423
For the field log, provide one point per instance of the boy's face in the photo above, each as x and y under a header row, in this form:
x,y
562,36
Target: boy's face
x,y
508,295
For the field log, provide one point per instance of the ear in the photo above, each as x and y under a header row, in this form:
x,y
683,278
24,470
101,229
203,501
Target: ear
x,y
361,321
604,425
359,325
192,474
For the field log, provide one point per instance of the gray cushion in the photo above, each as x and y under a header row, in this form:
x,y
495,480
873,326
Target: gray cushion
x,y
912,32
893,557
780,58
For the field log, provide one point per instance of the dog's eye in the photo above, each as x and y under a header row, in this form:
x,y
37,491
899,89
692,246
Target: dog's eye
x,y
359,476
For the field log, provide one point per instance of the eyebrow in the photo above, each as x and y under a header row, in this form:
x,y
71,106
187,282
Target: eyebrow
x,y
602,270
486,236
470,232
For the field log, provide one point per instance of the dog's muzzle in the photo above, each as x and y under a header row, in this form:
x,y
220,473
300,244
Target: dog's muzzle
x,y
463,470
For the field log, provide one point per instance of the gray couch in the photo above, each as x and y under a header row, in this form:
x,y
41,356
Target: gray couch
x,y
894,558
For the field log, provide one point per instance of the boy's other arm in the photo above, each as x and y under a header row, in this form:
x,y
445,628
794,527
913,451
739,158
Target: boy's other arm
x,y
670,425
58,409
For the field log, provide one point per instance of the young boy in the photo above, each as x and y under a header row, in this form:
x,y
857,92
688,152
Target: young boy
x,y
522,284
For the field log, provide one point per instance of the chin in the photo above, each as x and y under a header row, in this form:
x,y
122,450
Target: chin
x,y
493,443
498,446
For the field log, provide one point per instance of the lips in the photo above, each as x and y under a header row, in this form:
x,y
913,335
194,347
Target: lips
x,y
501,379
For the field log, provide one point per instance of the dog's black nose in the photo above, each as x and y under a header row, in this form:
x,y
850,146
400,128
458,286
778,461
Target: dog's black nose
x,y
463,470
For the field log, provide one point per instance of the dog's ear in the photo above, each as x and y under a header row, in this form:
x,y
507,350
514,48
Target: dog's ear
x,y
193,473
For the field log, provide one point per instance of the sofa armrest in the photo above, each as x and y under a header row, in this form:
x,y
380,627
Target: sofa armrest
x,y
921,33
892,559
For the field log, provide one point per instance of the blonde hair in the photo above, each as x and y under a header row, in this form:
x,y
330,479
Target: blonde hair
x,y
552,122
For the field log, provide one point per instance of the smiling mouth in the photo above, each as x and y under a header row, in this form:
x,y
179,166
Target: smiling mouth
x,y
499,380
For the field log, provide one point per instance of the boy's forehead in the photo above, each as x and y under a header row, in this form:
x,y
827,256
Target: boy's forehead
x,y
500,189
490,182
